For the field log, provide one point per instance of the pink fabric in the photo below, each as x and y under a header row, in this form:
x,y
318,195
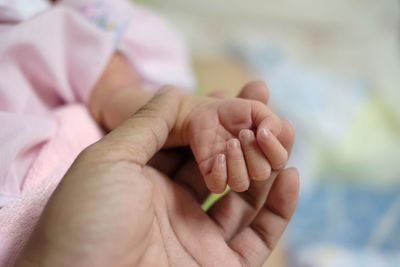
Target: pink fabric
x,y
39,74
48,65
18,219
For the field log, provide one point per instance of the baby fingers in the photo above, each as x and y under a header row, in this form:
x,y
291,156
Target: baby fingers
x,y
272,148
216,180
238,178
257,164
263,117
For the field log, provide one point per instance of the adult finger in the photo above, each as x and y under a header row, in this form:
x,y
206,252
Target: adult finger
x,y
143,134
97,189
254,244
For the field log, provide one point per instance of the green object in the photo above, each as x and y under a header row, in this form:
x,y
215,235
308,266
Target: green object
x,y
213,198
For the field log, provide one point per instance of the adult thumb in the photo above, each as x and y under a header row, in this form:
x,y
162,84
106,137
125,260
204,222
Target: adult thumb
x,y
143,134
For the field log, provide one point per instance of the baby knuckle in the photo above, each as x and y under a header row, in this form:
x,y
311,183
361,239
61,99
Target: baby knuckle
x,y
280,164
261,174
239,184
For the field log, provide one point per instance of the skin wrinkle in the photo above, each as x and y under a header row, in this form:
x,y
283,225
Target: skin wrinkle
x,y
199,145
239,124
200,190
162,237
168,209
250,202
187,186
227,217
180,241
154,142
257,202
260,233
243,259
124,155
187,127
205,163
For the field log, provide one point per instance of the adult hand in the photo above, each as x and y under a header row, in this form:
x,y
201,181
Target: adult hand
x,y
112,210
179,164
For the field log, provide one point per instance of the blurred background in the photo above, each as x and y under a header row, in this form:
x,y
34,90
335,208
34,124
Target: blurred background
x,y
333,68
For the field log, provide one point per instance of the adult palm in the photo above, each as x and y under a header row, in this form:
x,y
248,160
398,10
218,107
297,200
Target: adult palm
x,y
112,210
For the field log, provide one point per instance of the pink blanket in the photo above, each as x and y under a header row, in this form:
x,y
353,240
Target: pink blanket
x,y
49,61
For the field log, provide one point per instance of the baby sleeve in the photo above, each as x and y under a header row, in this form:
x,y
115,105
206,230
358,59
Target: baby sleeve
x,y
64,50
55,57
150,44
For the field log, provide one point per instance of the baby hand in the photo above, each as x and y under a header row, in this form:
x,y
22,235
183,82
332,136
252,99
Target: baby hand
x,y
234,141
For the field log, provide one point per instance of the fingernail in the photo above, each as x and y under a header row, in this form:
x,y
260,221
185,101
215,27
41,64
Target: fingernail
x,y
234,143
265,133
221,159
269,123
246,134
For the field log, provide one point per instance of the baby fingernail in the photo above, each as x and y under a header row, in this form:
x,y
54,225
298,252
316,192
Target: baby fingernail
x,y
264,133
246,134
234,143
221,159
